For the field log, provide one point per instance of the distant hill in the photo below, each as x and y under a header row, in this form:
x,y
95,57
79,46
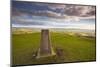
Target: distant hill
x,y
79,32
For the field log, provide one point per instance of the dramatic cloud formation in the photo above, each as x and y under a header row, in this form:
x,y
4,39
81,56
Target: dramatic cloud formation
x,y
49,14
84,11
52,10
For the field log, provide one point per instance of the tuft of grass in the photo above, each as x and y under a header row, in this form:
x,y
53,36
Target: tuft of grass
x,y
74,48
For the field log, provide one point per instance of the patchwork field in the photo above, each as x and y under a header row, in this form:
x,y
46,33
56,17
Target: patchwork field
x,y
74,48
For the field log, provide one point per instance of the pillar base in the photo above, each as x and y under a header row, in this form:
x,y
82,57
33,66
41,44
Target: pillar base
x,y
39,55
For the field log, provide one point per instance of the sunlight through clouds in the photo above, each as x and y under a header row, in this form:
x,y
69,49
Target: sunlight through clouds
x,y
45,15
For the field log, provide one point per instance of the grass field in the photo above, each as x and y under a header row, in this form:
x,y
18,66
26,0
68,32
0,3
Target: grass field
x,y
75,48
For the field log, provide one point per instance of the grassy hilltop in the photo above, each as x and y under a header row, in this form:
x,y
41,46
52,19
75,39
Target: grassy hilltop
x,y
74,47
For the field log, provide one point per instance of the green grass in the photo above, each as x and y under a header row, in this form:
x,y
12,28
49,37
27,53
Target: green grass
x,y
75,48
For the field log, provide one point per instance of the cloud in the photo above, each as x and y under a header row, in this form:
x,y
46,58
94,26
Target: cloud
x,y
61,25
57,6
58,12
15,12
47,13
71,10
81,11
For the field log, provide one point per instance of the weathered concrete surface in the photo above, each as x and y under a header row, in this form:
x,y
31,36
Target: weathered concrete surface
x,y
45,45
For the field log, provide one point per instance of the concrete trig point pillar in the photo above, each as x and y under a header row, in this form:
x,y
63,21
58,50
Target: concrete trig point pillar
x,y
45,49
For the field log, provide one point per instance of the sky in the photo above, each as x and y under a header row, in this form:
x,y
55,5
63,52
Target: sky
x,y
52,15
